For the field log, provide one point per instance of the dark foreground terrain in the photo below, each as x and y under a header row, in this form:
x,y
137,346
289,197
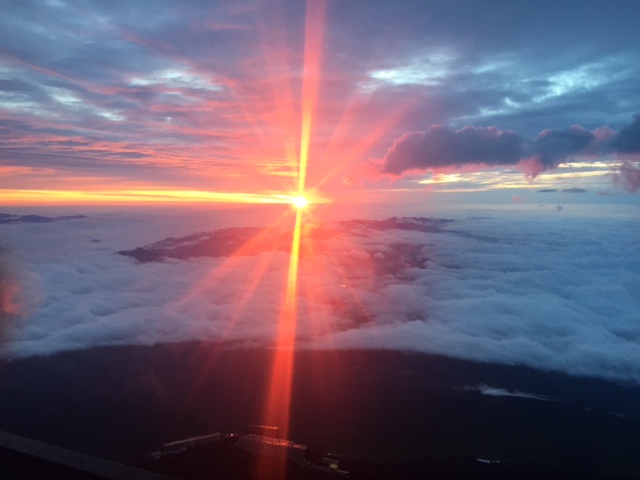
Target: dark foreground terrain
x,y
403,412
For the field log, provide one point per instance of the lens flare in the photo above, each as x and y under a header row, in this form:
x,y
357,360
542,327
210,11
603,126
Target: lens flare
x,y
277,411
9,303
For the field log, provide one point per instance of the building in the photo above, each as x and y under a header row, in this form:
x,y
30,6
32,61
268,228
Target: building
x,y
272,447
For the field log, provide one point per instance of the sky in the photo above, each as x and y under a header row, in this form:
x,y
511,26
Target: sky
x,y
255,101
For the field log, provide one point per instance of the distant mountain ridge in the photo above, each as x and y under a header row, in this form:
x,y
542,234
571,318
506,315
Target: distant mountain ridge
x,y
11,218
246,241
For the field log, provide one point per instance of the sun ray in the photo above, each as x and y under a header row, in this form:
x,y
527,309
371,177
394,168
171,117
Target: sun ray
x,y
264,263
264,237
278,401
314,30
279,397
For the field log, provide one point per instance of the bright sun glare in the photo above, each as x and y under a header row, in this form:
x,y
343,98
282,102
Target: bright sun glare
x,y
299,202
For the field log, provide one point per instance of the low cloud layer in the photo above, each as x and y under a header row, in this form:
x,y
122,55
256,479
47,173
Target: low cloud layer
x,y
552,290
442,148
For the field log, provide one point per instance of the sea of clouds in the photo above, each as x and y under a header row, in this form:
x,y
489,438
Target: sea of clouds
x,y
552,289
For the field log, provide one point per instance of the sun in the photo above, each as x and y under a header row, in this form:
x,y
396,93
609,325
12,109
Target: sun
x,y
299,202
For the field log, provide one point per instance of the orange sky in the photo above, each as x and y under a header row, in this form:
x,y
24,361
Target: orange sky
x,y
247,104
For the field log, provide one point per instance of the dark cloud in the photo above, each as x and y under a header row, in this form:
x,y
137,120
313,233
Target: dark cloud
x,y
16,86
628,176
628,140
441,147
552,147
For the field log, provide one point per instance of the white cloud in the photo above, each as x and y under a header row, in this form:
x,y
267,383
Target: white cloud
x,y
552,290
501,392
177,78
428,69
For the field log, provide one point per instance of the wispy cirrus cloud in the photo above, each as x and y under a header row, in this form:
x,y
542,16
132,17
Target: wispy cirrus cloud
x,y
211,95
